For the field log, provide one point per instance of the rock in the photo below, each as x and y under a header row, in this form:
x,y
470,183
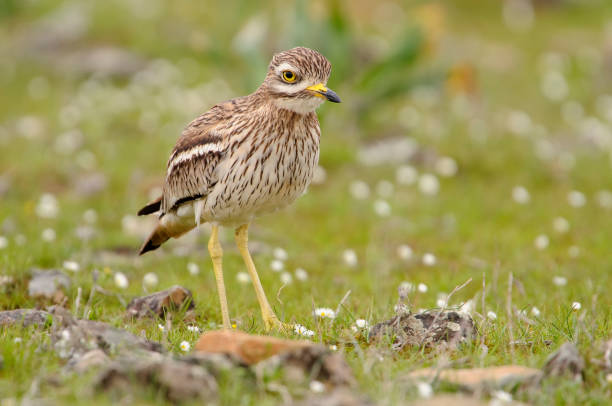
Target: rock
x,y
179,381
156,304
565,361
48,284
607,356
26,317
430,329
248,348
479,378
72,338
312,361
337,397
455,400
89,360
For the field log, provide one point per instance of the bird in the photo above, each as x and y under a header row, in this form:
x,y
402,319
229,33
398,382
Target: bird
x,y
245,157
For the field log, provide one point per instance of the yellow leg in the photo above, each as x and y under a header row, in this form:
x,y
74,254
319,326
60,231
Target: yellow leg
x,y
269,318
216,254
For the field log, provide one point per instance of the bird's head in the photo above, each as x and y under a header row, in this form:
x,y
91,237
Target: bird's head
x,y
297,79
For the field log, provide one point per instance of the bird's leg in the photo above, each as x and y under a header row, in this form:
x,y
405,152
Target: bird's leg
x,y
216,254
269,318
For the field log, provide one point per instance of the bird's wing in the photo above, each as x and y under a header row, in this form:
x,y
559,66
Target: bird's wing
x,y
191,170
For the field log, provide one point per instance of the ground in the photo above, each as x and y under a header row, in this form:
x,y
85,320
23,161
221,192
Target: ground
x,y
473,142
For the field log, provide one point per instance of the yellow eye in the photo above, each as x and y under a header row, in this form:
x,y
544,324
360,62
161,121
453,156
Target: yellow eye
x,y
289,76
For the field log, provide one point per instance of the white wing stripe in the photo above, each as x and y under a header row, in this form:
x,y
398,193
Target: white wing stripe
x,y
191,153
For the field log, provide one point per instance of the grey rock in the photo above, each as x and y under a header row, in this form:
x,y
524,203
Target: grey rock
x,y
565,361
156,304
178,381
91,359
430,329
25,317
337,397
71,338
48,283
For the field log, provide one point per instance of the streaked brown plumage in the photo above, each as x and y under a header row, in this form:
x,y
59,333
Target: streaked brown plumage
x,y
245,157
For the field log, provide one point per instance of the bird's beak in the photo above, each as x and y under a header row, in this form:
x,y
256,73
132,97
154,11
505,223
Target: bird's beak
x,y
321,91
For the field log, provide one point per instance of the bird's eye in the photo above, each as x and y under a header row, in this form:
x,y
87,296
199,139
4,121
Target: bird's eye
x,y
288,76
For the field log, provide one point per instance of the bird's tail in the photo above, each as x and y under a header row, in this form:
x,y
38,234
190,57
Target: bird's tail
x,y
169,226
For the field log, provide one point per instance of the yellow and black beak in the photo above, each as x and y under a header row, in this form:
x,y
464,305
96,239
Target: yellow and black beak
x,y
321,91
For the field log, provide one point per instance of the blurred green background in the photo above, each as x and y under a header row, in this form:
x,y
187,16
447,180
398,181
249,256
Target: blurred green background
x,y
474,139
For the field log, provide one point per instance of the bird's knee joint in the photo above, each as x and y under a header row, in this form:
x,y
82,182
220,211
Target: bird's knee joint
x,y
215,250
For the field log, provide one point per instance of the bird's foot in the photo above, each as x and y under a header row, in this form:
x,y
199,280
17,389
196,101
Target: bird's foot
x,y
272,322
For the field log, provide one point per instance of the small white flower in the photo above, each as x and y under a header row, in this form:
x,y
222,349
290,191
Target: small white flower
x,y
185,346
424,389
317,387
429,259
467,307
301,274
609,378
90,216
573,251
559,280
161,327
277,265
17,340
535,312
422,288
382,208
491,315
554,86
350,258
193,268
440,302
3,242
576,198
47,207
429,184
150,279
286,278
446,166
604,198
193,329
361,323
333,347
243,277
576,306
520,195
325,312
303,331
502,396
406,175
72,266
65,334
519,123
359,190
561,225
384,188
404,252
405,288
541,242
280,254
48,235
121,281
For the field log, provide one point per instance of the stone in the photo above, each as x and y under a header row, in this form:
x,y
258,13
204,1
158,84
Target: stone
x,y
71,338
157,304
565,361
248,348
91,359
336,397
446,329
478,378
25,317
178,381
48,284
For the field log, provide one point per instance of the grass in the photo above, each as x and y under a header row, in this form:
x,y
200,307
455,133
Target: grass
x,y
472,225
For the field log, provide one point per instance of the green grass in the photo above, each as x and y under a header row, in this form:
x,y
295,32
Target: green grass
x,y
472,225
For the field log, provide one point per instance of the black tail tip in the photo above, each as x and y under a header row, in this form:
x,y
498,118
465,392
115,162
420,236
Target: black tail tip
x,y
148,246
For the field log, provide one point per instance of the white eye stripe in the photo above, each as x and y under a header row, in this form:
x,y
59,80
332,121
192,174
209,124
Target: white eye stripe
x,y
286,66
